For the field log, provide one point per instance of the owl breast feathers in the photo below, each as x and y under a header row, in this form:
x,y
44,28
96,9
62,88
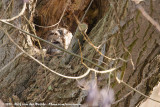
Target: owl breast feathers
x,y
60,37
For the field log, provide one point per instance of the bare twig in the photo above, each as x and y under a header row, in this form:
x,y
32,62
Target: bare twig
x,y
84,15
139,92
40,62
135,89
87,10
69,77
10,62
32,28
6,8
96,71
96,48
140,84
146,15
64,50
120,33
57,24
15,17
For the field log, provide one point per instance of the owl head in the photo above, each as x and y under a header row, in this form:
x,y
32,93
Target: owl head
x,y
60,37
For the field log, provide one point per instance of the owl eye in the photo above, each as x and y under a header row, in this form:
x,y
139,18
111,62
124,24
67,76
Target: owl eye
x,y
61,32
56,42
54,33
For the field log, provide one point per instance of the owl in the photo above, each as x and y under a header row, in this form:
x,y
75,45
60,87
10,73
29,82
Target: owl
x,y
60,37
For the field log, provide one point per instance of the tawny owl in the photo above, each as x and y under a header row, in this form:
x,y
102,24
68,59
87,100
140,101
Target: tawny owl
x,y
60,37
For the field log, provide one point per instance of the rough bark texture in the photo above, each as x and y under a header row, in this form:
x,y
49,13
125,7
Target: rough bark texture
x,y
26,81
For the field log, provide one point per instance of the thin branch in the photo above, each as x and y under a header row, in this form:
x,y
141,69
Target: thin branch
x,y
87,10
69,77
96,48
6,9
57,22
102,62
101,58
11,61
134,89
96,71
139,92
64,50
146,15
105,71
15,17
84,15
120,33
121,81
140,84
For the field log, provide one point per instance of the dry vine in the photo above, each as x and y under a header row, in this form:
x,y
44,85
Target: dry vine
x,y
6,21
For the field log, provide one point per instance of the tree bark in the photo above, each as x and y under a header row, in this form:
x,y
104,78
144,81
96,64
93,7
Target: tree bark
x,y
123,30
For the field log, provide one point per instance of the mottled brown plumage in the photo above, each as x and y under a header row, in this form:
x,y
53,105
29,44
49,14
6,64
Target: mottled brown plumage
x,y
60,37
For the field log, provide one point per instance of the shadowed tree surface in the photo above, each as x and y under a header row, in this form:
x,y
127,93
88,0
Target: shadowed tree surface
x,y
123,30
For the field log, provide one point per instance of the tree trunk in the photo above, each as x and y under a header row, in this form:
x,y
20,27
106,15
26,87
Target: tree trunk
x,y
123,30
